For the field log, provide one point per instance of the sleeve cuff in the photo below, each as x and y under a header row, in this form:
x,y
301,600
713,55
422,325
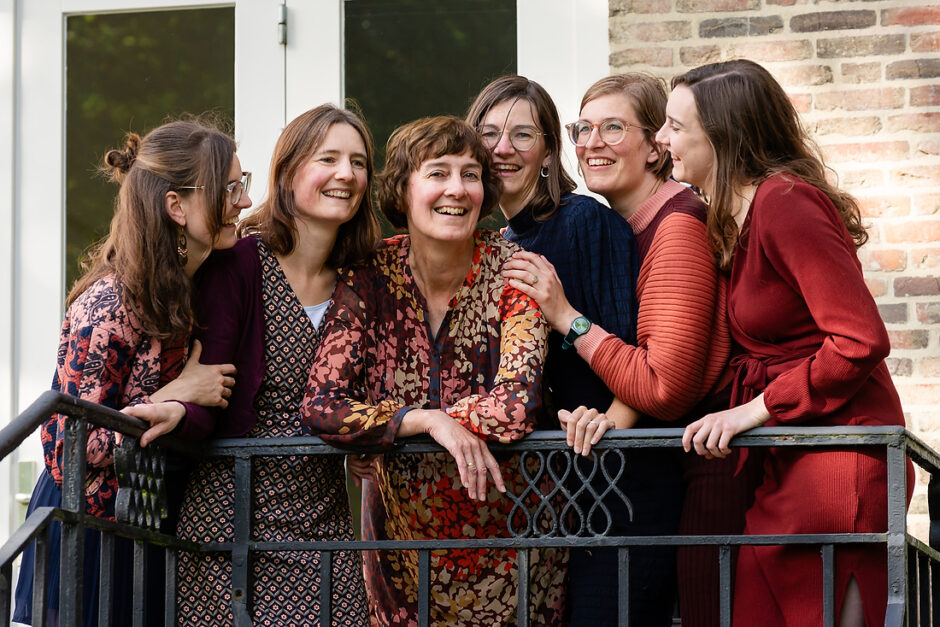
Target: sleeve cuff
x,y
590,341
195,424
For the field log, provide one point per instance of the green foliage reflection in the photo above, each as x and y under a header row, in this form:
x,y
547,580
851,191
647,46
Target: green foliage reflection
x,y
131,72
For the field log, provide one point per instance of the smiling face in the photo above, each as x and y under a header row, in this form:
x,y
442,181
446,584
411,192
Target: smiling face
x,y
616,171
329,185
693,157
199,237
517,169
444,197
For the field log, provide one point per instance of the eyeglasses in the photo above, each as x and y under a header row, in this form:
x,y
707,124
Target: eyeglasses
x,y
611,131
522,138
235,189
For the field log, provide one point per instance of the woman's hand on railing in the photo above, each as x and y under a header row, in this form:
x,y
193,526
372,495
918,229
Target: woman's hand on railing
x,y
362,467
470,453
163,418
711,434
208,385
585,428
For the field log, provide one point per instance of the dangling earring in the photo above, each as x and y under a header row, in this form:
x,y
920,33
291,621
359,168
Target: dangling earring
x,y
182,254
544,172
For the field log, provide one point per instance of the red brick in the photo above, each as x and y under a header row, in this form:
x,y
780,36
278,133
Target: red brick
x,y
855,179
702,6
699,55
926,204
884,206
652,6
785,3
929,147
920,122
862,46
925,258
918,393
900,366
930,367
861,72
909,339
925,96
651,31
877,287
917,286
916,175
852,126
861,99
658,57
928,313
772,50
866,151
804,75
923,230
803,103
882,260
911,16
925,42
913,69
893,313
817,21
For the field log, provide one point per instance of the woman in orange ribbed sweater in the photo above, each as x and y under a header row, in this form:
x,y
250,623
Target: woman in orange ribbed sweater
x,y
683,344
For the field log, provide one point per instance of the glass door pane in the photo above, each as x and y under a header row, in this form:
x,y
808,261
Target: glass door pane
x,y
131,72
405,59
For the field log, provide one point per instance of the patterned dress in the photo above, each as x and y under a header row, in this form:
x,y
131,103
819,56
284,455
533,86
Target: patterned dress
x,y
377,360
293,499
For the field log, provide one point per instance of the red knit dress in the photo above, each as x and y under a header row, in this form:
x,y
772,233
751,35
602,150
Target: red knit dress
x,y
812,340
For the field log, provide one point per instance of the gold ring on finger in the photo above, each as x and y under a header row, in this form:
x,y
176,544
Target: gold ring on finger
x,y
535,279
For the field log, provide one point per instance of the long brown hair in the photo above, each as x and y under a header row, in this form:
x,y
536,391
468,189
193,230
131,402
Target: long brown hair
x,y
140,249
412,144
756,133
549,189
647,95
274,220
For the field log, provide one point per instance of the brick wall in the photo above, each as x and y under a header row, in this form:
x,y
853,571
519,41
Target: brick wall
x,y
865,75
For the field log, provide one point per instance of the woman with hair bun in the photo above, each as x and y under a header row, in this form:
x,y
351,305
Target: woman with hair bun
x,y
125,337
810,345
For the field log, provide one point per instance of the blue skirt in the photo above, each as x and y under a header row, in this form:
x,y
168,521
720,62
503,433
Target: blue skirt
x,y
48,494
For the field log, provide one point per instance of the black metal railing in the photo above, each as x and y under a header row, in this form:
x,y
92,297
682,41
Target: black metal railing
x,y
556,509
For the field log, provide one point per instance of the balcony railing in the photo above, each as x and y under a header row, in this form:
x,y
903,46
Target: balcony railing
x,y
557,509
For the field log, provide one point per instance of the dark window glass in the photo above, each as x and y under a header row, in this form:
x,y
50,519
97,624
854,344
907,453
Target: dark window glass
x,y
406,59
132,72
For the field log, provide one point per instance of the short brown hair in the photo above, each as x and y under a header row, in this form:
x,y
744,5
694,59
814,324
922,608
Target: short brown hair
x,y
274,219
551,188
647,93
430,138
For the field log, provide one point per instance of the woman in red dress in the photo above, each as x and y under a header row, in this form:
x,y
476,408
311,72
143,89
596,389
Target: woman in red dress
x,y
810,341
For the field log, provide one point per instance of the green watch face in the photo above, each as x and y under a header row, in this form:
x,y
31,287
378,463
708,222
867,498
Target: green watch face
x,y
580,325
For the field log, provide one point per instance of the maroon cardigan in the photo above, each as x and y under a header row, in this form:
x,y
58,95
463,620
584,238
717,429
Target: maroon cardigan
x,y
230,325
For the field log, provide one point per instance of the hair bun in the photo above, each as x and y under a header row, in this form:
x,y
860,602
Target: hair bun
x,y
120,161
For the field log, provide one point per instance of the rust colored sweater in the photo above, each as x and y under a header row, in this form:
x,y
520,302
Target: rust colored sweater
x,y
683,343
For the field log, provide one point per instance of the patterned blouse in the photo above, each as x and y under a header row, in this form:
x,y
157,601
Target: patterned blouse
x,y
378,359
105,358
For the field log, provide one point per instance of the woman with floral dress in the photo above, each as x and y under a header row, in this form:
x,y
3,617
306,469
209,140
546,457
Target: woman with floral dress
x,y
428,338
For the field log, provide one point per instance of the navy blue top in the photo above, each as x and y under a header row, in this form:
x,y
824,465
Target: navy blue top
x,y
595,254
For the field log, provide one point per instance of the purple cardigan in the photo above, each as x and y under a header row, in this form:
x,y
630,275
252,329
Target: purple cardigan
x,y
231,328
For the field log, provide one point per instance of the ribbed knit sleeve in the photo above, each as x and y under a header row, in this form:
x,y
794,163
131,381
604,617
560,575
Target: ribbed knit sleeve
x,y
683,342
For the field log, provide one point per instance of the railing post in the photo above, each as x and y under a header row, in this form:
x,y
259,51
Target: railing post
x,y
897,531
241,585
73,533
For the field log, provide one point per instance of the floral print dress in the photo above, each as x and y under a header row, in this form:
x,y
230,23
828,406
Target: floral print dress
x,y
378,359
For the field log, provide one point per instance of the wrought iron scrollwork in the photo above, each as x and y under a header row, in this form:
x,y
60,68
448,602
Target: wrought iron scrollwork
x,y
562,498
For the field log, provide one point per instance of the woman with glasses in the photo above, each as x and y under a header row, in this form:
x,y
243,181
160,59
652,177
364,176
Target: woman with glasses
x,y
125,337
262,306
681,351
428,338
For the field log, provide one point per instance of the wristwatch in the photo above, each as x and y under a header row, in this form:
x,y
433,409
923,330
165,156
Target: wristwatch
x,y
579,326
